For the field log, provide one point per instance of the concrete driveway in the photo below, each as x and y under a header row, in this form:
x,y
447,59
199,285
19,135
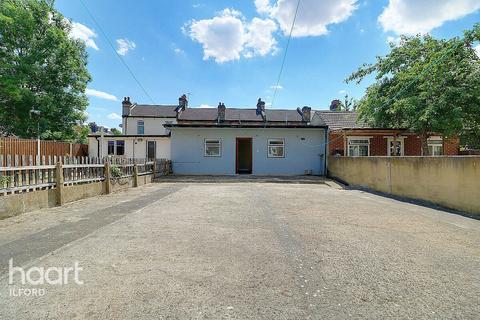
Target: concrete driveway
x,y
243,251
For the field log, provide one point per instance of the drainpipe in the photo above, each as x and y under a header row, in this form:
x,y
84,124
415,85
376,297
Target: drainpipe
x,y
98,147
100,153
325,166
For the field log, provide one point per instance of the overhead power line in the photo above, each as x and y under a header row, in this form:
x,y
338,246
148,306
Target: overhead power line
x,y
285,54
115,51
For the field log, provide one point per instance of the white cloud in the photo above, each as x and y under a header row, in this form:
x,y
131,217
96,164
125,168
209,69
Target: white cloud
x,y
343,91
313,16
414,16
84,33
100,94
125,45
114,116
228,36
259,40
206,106
177,50
393,40
263,6
279,87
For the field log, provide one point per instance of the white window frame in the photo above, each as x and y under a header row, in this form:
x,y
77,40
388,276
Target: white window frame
x,y
402,145
210,140
142,125
115,146
358,144
435,142
269,144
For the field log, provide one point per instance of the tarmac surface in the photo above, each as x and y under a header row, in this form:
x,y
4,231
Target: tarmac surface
x,y
241,250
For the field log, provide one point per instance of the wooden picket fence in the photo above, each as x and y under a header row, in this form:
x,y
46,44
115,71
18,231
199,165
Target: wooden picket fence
x,y
28,147
21,174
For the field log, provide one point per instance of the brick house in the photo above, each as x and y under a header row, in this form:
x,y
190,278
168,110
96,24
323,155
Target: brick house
x,y
352,138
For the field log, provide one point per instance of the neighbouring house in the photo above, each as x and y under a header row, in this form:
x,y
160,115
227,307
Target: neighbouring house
x,y
348,137
143,134
227,141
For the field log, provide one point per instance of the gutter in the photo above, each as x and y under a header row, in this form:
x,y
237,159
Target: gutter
x,y
250,126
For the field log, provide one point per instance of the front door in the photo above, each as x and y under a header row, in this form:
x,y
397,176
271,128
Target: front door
x,y
244,156
151,148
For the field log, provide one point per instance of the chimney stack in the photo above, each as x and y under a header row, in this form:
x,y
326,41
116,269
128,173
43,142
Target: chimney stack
x,y
261,109
306,113
126,105
221,112
183,102
335,105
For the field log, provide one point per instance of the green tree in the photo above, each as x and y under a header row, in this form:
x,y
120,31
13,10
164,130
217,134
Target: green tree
x,y
425,85
41,69
116,132
348,104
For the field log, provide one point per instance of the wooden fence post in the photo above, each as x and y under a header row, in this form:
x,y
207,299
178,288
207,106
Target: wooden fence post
x,y
108,185
59,184
135,175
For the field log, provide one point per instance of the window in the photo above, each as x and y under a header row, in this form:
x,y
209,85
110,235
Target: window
x,y
435,146
213,148
120,147
140,127
276,148
111,148
151,149
395,146
116,148
358,147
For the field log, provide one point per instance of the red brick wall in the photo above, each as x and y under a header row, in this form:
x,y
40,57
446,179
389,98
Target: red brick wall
x,y
413,146
451,146
378,146
336,143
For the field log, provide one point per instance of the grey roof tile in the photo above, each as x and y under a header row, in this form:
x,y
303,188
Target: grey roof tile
x,y
336,120
149,110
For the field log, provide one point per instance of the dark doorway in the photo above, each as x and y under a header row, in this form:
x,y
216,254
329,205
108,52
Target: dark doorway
x,y
244,155
151,146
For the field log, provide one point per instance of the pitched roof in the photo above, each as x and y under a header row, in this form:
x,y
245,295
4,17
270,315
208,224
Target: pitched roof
x,y
150,110
337,120
239,115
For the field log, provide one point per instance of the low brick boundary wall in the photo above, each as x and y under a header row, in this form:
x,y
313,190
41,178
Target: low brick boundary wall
x,y
452,182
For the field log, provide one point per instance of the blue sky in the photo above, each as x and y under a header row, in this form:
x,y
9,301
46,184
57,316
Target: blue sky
x,y
231,51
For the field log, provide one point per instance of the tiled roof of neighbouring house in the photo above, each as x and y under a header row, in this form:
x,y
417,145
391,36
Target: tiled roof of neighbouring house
x,y
336,120
149,110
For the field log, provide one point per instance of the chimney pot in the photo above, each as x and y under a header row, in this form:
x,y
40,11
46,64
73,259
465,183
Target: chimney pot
x,y
261,109
221,111
335,105
126,106
306,113
182,102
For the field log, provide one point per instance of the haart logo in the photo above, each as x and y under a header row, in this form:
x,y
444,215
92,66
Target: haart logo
x,y
38,276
